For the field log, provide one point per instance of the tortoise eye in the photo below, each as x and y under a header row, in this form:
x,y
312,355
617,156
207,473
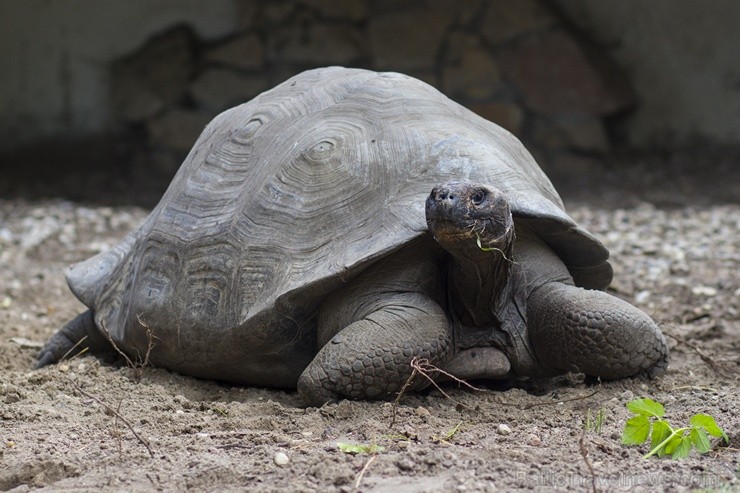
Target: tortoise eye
x,y
478,197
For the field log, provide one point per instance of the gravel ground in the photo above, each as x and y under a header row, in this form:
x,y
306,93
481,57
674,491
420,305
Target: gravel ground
x,y
87,426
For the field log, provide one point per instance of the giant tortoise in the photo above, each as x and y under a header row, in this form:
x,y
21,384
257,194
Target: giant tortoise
x,y
299,246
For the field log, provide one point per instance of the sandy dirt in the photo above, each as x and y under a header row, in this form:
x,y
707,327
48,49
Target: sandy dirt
x,y
87,426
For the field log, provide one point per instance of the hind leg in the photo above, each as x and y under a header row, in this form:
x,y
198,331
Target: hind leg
x,y
78,334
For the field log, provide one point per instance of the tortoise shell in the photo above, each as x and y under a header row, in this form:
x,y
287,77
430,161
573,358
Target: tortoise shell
x,y
285,198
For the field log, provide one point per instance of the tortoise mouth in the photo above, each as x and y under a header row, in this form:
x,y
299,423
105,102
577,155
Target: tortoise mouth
x,y
479,233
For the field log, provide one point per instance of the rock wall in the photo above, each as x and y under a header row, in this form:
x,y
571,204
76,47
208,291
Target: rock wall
x,y
681,57
515,63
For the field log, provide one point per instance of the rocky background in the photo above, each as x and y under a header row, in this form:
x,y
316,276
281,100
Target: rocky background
x,y
105,99
516,63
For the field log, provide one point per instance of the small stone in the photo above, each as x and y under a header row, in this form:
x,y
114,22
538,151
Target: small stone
x,y
642,296
405,464
503,429
704,291
26,343
12,397
281,459
422,412
534,440
627,395
64,368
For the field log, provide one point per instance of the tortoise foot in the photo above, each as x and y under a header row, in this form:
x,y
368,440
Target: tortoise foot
x,y
592,332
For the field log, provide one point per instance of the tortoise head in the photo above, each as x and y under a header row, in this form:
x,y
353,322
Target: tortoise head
x,y
469,218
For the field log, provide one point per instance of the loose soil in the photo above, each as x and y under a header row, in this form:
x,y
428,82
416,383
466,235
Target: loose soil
x,y
69,426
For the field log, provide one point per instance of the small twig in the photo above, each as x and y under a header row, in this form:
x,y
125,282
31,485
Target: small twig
x,y
84,350
362,471
141,363
227,446
553,402
706,359
584,454
116,414
115,346
558,401
694,387
117,432
425,367
405,387
422,366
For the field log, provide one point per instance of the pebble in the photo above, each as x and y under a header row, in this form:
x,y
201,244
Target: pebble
x,y
642,296
534,440
422,412
704,291
280,459
503,429
627,395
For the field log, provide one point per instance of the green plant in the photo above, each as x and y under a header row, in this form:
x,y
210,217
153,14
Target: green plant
x,y
449,435
595,423
360,448
491,249
664,439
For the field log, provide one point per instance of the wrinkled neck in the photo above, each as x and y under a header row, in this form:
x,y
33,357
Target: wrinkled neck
x,y
479,281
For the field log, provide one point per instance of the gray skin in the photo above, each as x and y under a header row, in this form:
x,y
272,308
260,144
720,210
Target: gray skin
x,y
292,250
507,307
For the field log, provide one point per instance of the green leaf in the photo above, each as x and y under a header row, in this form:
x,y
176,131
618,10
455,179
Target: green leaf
x,y
673,444
683,448
661,431
709,424
646,407
636,430
451,433
700,439
359,448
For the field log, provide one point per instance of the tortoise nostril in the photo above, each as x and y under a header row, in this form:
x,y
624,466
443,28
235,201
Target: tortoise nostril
x,y
445,195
